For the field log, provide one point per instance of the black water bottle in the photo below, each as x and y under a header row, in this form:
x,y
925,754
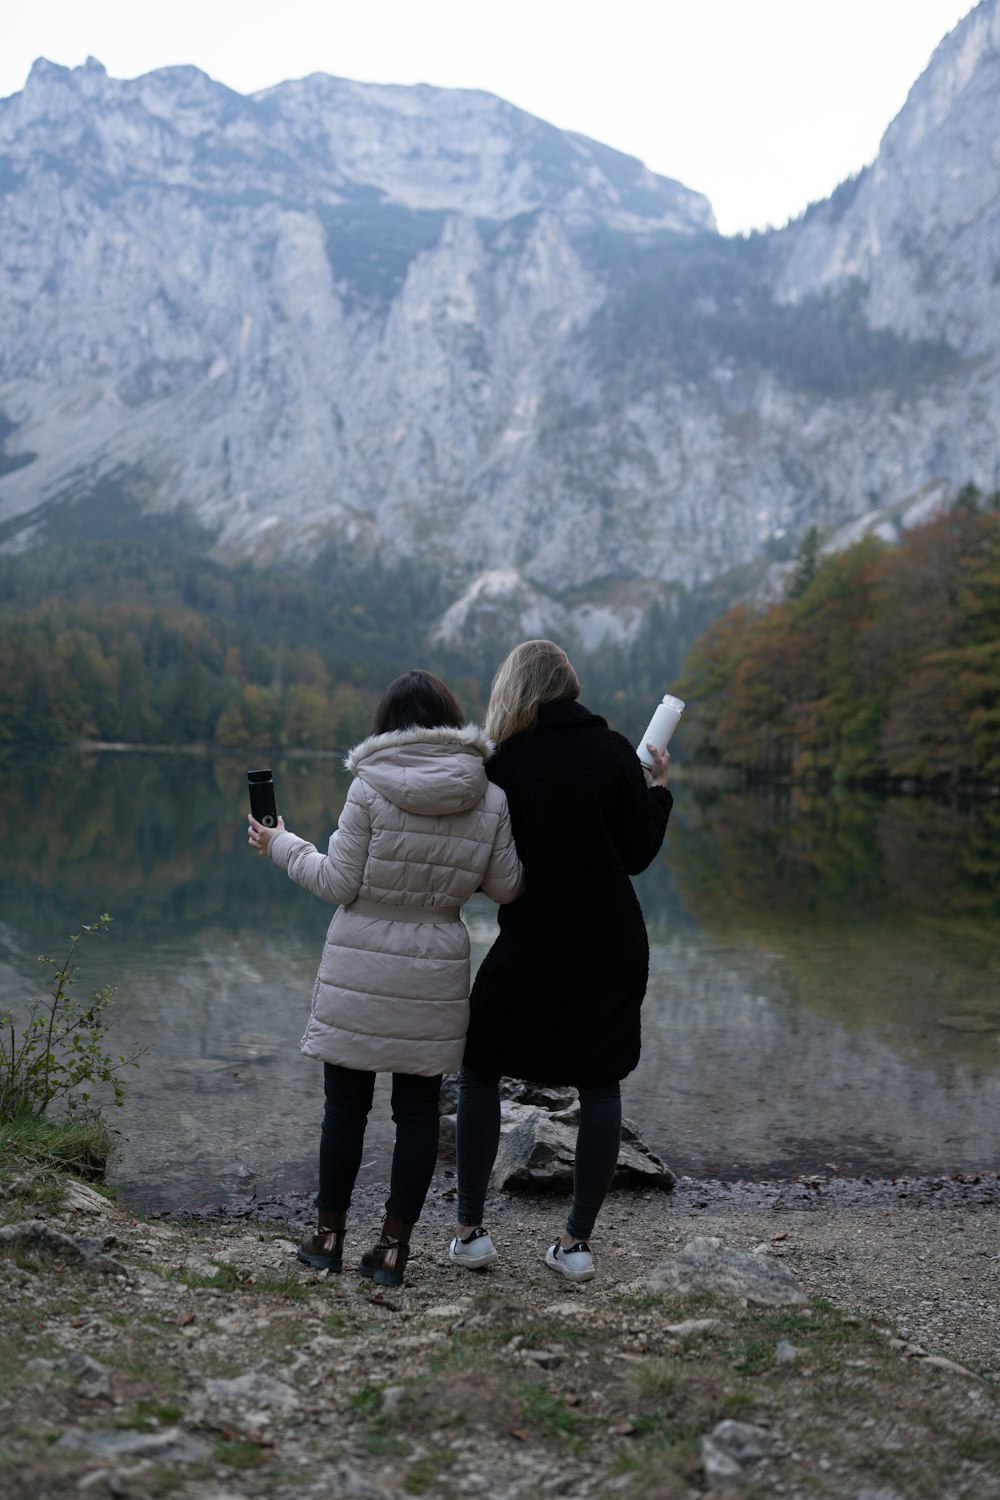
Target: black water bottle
x,y
262,798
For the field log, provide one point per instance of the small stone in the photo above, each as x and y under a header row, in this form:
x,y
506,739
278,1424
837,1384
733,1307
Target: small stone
x,y
96,1476
693,1325
446,1310
345,1480
253,1388
786,1353
546,1359
92,1379
940,1363
170,1446
731,1449
79,1198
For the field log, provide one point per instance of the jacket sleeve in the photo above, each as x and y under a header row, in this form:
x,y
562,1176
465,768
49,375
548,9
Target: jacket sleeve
x,y
503,880
638,819
337,875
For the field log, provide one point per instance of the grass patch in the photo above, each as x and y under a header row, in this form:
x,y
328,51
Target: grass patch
x,y
426,1472
545,1411
664,1440
977,1448
147,1416
230,1278
463,1352
659,1378
380,1434
16,1351
36,1152
368,1399
162,1481
238,1453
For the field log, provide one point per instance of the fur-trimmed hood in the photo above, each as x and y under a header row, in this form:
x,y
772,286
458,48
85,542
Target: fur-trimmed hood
x,y
429,771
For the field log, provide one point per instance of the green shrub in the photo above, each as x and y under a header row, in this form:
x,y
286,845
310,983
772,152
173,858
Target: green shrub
x,y
59,1052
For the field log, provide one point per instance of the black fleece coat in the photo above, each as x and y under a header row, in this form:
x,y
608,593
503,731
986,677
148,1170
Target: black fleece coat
x,y
557,997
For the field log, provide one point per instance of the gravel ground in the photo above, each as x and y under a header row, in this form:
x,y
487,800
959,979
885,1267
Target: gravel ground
x,y
198,1359
921,1256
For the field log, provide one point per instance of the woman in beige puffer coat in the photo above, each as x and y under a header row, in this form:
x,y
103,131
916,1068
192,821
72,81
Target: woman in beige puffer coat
x,y
421,831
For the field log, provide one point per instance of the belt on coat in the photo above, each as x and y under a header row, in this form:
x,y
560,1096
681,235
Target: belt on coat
x,y
385,913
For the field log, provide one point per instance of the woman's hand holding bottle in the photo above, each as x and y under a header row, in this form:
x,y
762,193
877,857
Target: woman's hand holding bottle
x,y
657,773
259,837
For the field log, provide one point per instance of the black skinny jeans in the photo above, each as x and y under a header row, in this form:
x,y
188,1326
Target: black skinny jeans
x,y
349,1093
597,1143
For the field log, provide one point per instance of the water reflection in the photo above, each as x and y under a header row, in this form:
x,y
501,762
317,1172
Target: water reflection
x,y
838,999
823,987
884,910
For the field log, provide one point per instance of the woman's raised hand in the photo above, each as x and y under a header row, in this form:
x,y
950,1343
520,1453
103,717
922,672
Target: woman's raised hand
x,y
259,837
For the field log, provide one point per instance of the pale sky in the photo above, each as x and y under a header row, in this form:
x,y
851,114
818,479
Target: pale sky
x,y
763,105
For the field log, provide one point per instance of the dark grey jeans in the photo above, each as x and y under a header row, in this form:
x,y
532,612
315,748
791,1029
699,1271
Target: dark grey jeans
x,y
597,1142
349,1093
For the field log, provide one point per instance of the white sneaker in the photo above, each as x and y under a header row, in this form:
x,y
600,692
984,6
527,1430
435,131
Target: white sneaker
x,y
576,1263
477,1251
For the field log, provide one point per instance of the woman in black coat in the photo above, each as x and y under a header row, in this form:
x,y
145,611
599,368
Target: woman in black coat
x,y
557,999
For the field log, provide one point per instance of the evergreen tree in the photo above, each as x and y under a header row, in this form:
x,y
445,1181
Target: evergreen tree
x,y
806,564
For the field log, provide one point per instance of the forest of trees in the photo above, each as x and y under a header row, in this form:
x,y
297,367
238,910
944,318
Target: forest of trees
x,y
119,628
882,665
128,641
689,301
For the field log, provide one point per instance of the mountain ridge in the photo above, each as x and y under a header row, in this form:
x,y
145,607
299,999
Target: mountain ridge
x,y
571,415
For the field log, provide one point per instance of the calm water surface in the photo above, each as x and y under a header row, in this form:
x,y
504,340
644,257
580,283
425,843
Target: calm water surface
x,y
824,985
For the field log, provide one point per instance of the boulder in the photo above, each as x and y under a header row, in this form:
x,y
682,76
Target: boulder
x,y
537,1146
37,1235
707,1265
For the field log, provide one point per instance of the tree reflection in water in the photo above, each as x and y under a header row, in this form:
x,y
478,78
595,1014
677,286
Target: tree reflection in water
x,y
824,971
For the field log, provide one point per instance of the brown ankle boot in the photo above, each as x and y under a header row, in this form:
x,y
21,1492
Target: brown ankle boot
x,y
325,1248
386,1261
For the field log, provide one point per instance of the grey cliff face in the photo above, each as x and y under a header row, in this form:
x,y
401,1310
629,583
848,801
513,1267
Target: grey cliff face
x,y
422,322
922,229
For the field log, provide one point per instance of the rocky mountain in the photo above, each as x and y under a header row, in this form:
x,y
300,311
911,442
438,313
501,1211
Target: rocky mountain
x,y
422,323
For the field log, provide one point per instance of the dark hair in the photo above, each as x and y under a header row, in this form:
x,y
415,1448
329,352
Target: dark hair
x,y
417,700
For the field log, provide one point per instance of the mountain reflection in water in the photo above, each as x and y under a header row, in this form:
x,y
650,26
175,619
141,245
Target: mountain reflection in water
x,y
824,975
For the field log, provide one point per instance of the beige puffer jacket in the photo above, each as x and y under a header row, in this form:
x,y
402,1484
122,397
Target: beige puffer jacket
x,y
422,829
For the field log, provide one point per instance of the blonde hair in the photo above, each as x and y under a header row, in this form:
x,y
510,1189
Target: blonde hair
x,y
534,673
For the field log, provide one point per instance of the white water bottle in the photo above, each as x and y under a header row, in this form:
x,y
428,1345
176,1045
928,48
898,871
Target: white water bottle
x,y
661,727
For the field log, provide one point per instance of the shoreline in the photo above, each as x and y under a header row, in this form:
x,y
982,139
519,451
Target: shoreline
x,y
958,1192
722,778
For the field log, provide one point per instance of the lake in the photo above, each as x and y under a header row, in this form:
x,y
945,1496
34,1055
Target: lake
x,y
824,980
